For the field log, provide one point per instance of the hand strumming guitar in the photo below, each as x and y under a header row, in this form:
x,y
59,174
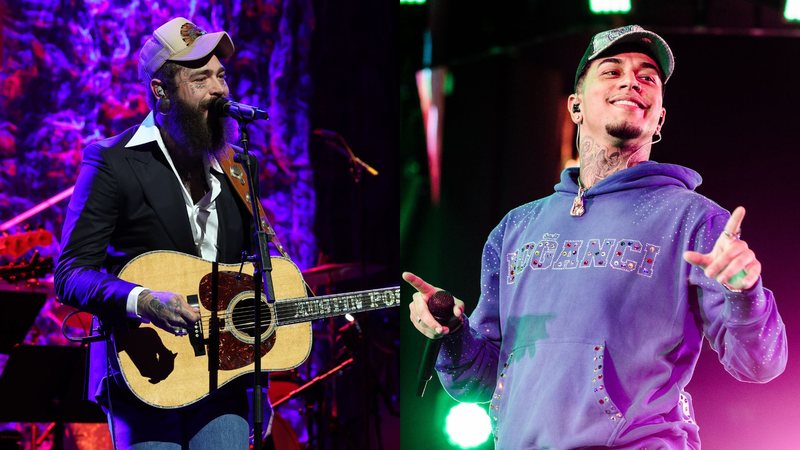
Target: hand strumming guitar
x,y
167,310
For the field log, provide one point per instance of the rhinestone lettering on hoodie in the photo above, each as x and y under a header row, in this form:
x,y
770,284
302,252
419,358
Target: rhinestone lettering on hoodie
x,y
627,255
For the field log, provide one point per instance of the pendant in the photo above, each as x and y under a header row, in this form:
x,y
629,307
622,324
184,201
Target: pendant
x,y
577,205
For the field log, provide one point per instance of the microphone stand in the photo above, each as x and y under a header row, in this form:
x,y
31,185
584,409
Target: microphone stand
x,y
262,273
357,167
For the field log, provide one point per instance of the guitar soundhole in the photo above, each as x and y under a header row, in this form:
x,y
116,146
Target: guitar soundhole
x,y
243,316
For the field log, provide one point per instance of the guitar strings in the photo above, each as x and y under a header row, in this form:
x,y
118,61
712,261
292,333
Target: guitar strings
x,y
243,321
245,315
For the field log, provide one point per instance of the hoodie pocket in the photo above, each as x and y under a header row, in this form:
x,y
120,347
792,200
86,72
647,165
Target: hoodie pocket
x,y
553,393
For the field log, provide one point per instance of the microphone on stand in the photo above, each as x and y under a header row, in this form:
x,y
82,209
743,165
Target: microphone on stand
x,y
440,304
226,107
337,139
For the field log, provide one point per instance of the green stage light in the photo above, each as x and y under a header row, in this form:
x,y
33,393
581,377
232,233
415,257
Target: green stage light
x,y
412,2
792,10
610,6
467,425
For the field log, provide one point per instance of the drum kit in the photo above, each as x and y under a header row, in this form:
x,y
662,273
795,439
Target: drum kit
x,y
298,396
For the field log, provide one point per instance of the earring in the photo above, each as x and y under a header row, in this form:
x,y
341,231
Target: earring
x,y
656,138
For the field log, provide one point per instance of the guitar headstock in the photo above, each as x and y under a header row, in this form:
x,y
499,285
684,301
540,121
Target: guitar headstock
x,y
15,245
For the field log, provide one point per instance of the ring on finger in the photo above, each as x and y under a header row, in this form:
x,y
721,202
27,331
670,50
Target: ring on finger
x,y
737,277
733,236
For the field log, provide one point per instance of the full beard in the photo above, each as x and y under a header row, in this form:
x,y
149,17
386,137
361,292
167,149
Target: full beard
x,y
195,133
623,131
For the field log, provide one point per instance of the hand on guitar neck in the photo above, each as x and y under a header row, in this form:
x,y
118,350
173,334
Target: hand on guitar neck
x,y
167,310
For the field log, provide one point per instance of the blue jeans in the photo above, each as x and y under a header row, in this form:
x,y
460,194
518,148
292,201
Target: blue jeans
x,y
214,423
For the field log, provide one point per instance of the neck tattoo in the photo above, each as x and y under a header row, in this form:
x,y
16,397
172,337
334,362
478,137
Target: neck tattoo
x,y
599,161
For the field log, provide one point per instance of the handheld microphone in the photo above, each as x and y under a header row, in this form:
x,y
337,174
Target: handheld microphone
x,y
441,306
226,107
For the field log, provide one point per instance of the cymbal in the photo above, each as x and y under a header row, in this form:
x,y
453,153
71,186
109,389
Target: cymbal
x,y
336,273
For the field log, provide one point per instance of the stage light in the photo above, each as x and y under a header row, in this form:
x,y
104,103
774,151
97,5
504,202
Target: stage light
x,y
610,6
412,2
467,425
348,316
792,10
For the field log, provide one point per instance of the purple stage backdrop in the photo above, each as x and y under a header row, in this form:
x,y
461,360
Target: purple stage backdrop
x,y
69,77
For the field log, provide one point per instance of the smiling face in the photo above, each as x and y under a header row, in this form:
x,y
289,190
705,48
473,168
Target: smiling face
x,y
620,99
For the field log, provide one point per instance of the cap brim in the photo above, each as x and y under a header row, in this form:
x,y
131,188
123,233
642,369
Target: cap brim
x,y
659,48
219,43
650,42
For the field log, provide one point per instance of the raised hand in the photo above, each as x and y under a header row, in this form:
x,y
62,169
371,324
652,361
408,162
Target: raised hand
x,y
731,262
420,316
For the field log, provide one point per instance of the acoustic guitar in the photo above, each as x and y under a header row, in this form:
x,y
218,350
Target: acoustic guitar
x,y
169,371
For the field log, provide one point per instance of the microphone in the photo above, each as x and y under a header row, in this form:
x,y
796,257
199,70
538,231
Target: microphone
x,y
226,107
441,306
337,141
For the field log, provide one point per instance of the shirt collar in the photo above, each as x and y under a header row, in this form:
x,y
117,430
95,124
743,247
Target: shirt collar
x,y
147,132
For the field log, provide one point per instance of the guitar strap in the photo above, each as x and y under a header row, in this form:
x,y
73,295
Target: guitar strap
x,y
238,178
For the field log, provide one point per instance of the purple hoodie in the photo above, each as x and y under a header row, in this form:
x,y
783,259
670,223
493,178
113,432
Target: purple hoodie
x,y
589,328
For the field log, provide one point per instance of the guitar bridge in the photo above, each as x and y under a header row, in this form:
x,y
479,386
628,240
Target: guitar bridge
x,y
196,336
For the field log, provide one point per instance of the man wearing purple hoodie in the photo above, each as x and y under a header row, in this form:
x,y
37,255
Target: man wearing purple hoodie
x,y
595,299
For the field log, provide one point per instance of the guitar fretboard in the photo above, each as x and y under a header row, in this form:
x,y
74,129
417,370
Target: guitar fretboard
x,y
313,308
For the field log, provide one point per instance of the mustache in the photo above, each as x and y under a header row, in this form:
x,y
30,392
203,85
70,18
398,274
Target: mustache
x,y
208,105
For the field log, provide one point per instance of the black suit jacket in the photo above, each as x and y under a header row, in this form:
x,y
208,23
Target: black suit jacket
x,y
127,201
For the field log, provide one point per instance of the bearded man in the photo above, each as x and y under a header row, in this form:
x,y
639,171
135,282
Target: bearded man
x,y
161,185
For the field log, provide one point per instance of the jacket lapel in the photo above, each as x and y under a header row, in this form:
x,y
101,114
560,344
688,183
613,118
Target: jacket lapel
x,y
163,193
232,226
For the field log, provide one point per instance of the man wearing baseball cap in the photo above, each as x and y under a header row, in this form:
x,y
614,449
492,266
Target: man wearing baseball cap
x,y
595,300
162,185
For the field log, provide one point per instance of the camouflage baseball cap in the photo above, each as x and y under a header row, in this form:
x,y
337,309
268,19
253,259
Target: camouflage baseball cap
x,y
180,40
652,44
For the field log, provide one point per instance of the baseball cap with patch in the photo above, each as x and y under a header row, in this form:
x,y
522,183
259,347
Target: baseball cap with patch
x,y
180,40
634,36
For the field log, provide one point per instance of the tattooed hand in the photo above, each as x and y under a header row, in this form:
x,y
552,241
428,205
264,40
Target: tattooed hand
x,y
167,310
